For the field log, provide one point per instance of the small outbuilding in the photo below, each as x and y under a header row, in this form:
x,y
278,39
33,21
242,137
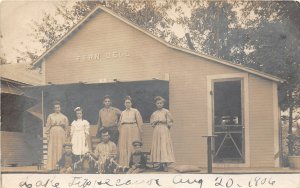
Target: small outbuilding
x,y
21,128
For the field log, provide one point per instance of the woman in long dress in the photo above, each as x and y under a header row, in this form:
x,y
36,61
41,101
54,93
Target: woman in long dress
x,y
130,130
80,129
56,132
162,148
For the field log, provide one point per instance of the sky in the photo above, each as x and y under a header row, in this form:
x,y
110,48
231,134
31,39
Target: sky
x,y
16,15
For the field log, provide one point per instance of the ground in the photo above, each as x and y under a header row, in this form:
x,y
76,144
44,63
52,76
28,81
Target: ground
x,y
34,169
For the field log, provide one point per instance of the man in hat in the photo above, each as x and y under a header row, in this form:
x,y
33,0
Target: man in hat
x,y
138,160
105,152
108,118
67,160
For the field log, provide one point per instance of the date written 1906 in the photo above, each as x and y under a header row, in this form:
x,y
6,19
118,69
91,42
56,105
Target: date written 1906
x,y
253,182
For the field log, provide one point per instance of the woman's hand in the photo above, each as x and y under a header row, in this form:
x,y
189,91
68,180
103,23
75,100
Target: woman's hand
x,y
154,123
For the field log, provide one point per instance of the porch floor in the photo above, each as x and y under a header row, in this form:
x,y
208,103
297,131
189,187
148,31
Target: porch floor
x,y
34,169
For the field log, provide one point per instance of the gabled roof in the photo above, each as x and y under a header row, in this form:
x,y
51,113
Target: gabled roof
x,y
20,73
102,8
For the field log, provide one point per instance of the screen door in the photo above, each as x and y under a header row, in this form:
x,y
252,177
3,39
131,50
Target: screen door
x,y
228,123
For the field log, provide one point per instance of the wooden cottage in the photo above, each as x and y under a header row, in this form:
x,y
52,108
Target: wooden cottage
x,y
21,130
105,53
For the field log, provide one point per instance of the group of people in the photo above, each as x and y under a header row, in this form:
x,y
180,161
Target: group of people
x,y
120,135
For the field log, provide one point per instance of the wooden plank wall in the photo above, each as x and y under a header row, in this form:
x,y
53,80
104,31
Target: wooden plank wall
x,y
15,149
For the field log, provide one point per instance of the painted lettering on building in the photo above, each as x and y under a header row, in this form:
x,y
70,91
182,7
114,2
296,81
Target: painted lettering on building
x,y
101,56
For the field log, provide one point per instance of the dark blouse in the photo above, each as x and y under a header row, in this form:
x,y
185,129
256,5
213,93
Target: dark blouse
x,y
67,160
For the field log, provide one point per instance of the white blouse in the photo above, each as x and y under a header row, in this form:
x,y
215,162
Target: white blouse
x,y
80,126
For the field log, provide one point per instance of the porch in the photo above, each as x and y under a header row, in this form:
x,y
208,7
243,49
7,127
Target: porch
x,y
34,170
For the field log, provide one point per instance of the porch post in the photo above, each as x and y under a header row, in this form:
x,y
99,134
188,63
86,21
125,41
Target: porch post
x,y
209,153
209,160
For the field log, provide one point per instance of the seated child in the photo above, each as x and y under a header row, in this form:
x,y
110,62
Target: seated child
x,y
105,153
67,160
138,160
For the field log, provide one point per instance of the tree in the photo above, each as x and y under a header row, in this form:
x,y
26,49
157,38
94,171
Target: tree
x,y
210,26
277,51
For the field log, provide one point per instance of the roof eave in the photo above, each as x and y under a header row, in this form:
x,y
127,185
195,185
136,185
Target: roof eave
x,y
234,65
14,81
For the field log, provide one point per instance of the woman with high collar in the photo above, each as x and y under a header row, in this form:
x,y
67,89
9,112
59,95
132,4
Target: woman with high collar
x,y
130,130
56,132
162,148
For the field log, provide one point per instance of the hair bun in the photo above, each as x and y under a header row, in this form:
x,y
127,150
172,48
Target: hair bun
x,y
77,109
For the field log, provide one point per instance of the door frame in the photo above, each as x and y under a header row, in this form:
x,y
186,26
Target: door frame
x,y
245,111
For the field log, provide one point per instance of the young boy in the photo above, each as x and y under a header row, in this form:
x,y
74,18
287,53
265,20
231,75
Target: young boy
x,y
105,152
138,160
67,160
108,118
